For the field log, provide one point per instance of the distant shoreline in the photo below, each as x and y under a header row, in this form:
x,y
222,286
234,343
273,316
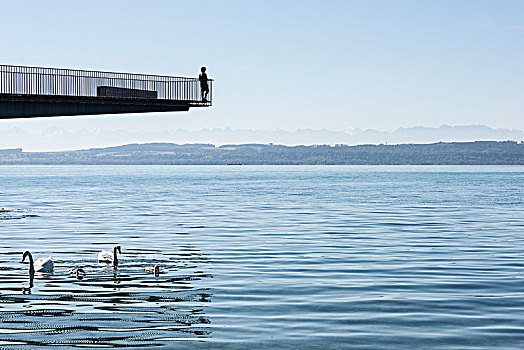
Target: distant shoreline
x,y
442,153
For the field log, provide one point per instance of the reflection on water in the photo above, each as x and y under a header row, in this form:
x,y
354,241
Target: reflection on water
x,y
108,306
15,214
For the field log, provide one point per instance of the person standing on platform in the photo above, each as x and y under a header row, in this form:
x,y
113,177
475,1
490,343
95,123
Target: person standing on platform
x,y
204,87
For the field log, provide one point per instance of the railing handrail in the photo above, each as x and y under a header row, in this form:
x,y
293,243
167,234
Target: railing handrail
x,y
92,71
182,79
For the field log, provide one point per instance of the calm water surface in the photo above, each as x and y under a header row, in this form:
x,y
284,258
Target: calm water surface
x,y
330,257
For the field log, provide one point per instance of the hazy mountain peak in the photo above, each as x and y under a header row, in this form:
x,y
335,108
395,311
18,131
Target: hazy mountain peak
x,y
56,138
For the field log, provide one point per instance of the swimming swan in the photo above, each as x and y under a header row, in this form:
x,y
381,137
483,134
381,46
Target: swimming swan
x,y
77,272
153,269
41,265
105,256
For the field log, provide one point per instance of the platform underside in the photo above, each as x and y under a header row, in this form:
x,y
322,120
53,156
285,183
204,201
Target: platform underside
x,y
28,106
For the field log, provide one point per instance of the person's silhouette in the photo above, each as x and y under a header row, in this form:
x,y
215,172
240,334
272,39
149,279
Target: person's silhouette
x,y
204,87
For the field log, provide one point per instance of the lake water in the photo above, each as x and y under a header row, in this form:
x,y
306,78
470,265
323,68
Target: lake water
x,y
331,257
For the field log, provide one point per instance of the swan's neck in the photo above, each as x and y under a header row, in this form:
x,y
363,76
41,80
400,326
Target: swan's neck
x,y
115,257
31,264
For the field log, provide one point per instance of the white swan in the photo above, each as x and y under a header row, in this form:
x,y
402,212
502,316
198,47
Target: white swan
x,y
153,269
106,256
77,272
41,265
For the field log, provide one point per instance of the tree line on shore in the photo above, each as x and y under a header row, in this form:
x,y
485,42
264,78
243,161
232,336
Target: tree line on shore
x,y
442,153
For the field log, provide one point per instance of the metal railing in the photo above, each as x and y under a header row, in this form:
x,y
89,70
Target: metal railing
x,y
21,80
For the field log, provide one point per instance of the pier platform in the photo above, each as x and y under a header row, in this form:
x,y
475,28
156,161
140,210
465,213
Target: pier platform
x,y
27,92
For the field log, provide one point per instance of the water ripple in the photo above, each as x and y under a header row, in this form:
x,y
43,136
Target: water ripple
x,y
265,257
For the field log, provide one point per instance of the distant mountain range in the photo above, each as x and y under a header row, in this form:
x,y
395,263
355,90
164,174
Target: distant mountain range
x,y
60,139
456,153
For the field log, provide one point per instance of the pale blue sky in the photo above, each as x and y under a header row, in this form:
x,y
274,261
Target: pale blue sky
x,y
289,64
